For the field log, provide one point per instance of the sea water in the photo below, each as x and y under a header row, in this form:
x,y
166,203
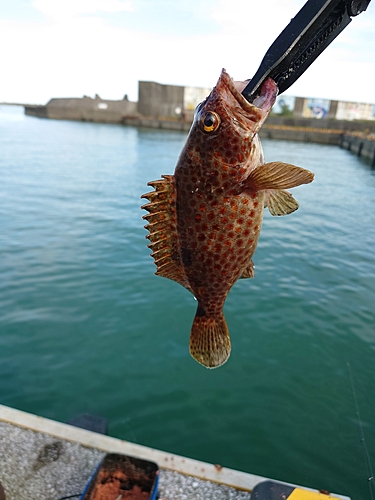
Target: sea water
x,y
86,326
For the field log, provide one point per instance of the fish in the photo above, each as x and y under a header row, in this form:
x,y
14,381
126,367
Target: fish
x,y
204,221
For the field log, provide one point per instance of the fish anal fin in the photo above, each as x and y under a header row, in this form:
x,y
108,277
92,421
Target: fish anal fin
x,y
209,339
162,229
248,271
277,175
280,202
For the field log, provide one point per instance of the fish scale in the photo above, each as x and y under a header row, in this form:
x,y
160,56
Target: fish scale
x,y
205,220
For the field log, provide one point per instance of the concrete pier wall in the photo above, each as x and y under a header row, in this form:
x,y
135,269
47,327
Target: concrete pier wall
x,y
158,101
300,134
85,109
360,146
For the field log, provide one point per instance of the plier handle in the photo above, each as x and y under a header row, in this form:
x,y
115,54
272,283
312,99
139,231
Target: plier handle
x,y
314,27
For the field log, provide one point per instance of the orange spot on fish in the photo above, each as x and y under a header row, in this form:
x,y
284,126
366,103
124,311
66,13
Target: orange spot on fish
x,y
202,208
198,217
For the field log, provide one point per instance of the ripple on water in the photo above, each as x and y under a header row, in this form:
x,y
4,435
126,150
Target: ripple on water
x,y
86,326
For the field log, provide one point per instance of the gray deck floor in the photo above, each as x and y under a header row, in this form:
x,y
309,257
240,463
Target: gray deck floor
x,y
38,466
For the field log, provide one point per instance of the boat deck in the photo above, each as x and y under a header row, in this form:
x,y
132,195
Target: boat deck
x,y
41,459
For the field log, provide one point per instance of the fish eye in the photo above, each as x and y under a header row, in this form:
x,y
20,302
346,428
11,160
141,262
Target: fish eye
x,y
210,121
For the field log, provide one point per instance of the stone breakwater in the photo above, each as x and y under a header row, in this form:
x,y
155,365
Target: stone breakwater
x,y
356,136
363,145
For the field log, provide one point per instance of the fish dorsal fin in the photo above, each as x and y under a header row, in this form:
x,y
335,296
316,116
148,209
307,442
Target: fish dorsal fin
x,y
163,230
280,202
277,175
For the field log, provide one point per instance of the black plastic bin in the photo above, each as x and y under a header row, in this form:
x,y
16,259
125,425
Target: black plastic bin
x,y
121,476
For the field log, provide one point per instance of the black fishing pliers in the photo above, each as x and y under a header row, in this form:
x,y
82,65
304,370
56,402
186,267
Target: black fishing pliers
x,y
314,27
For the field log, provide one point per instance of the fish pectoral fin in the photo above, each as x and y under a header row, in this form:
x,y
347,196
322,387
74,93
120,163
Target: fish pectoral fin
x,y
248,272
163,230
209,339
277,175
280,202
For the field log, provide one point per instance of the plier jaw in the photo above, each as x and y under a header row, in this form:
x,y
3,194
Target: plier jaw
x,y
307,35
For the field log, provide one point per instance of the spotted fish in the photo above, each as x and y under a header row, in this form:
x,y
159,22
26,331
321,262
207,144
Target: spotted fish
x,y
204,221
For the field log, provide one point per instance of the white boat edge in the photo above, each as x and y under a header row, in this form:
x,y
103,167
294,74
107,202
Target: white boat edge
x,y
188,466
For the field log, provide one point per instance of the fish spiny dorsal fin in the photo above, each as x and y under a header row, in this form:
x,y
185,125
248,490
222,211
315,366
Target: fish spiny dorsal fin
x,y
277,175
280,202
163,230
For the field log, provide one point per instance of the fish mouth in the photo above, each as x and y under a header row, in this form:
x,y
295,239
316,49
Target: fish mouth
x,y
262,104
267,96
228,93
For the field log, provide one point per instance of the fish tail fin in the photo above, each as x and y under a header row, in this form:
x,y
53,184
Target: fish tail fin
x,y
209,339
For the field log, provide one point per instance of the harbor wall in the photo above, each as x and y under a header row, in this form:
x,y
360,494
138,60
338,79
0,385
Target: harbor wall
x,y
156,100
171,107
84,109
357,136
363,147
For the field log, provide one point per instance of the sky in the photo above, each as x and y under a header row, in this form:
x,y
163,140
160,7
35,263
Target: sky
x,y
71,48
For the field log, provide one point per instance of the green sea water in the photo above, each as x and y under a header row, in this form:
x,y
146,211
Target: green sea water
x,y
85,325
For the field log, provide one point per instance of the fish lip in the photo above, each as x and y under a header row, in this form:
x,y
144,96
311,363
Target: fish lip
x,y
265,100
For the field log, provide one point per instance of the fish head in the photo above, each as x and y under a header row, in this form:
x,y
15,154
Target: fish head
x,y
225,123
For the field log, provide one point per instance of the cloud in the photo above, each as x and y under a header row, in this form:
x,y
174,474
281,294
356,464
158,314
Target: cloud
x,y
84,53
254,20
69,8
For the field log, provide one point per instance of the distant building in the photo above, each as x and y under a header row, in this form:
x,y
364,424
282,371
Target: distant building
x,y
169,101
308,107
175,103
